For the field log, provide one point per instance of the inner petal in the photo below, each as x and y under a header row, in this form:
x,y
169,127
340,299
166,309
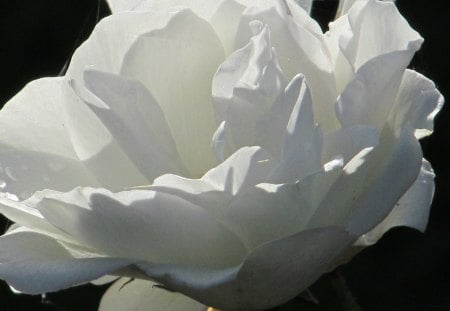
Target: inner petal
x,y
177,64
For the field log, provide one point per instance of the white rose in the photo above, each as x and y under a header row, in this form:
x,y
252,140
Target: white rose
x,y
228,150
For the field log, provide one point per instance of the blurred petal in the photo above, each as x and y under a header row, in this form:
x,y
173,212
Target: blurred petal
x,y
143,225
270,275
33,263
411,210
140,295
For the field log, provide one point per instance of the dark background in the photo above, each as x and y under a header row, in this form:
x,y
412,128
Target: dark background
x,y
406,270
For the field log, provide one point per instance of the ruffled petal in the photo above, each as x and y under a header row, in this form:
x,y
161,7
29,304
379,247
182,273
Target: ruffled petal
x,y
291,264
369,22
33,263
143,225
300,49
244,88
411,210
418,102
140,295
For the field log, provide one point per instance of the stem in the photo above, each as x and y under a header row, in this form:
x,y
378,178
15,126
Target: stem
x,y
344,293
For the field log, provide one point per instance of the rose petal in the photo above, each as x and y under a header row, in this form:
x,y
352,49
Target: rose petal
x,y
161,227
418,102
215,190
136,121
182,86
270,275
411,210
140,295
35,146
268,212
76,150
360,102
375,184
244,88
24,213
33,263
162,35
369,22
225,22
302,141
299,49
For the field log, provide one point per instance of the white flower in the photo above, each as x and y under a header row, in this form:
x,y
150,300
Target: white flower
x,y
228,150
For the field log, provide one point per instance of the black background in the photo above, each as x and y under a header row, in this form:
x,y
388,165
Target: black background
x,y
406,270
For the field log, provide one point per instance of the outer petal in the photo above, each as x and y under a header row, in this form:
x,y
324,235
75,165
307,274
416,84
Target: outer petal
x,y
418,102
36,150
369,22
369,97
372,176
143,225
291,264
25,214
33,263
411,210
140,295
65,144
